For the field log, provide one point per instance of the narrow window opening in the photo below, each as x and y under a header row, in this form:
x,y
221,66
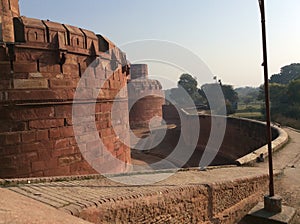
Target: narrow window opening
x,y
48,34
36,35
62,62
77,41
65,122
9,5
79,70
11,66
11,54
68,38
38,65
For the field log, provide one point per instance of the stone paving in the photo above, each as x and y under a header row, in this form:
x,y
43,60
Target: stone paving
x,y
288,160
19,209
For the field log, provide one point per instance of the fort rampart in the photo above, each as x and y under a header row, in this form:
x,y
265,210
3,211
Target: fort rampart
x,y
41,63
241,137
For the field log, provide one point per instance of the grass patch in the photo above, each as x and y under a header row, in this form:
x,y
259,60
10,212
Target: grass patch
x,y
254,107
250,115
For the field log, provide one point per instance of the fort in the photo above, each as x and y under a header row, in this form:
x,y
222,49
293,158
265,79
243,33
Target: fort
x,y
41,65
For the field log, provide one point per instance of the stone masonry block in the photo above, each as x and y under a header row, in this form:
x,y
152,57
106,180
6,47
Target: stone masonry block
x,y
44,124
30,84
28,137
25,114
12,139
25,67
42,135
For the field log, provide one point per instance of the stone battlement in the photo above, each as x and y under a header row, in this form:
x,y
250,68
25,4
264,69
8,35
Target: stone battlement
x,y
48,55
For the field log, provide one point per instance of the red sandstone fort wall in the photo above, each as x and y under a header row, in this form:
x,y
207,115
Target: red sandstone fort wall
x,y
220,202
39,74
145,96
241,137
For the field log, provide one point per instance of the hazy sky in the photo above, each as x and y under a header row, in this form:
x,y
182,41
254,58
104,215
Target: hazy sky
x,y
225,34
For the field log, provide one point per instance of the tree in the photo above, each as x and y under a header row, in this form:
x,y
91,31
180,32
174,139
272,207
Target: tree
x,y
285,96
279,100
247,95
287,74
230,95
188,82
293,91
293,95
187,88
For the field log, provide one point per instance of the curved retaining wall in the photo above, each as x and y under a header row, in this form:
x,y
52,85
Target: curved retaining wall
x,y
242,137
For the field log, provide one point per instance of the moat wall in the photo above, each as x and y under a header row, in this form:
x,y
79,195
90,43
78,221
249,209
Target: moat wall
x,y
242,136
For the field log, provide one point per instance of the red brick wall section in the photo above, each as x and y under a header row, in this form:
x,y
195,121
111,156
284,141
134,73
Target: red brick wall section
x,y
38,79
224,202
144,110
146,97
39,140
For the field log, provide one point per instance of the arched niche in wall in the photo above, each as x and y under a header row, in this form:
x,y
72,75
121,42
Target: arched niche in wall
x,y
36,35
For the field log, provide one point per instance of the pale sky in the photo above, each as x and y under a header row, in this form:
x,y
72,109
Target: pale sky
x,y
225,34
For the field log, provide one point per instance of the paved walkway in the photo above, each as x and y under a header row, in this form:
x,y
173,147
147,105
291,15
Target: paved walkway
x,y
288,185
19,209
35,202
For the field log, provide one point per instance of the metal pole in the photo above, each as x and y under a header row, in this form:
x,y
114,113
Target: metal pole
x,y
267,97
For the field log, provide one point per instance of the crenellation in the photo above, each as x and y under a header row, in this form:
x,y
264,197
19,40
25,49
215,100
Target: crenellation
x,y
34,30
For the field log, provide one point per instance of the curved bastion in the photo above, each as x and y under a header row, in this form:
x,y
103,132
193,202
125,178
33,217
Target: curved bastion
x,y
41,63
145,98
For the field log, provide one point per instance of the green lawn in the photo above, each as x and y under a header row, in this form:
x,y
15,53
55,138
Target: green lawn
x,y
251,111
251,115
253,107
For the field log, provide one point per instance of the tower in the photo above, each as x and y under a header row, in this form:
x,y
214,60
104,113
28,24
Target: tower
x,y
8,10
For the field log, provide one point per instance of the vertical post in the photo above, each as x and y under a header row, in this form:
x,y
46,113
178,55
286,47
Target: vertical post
x,y
267,97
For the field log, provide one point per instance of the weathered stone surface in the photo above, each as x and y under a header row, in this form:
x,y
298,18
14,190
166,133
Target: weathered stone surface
x,y
39,75
145,97
273,204
30,83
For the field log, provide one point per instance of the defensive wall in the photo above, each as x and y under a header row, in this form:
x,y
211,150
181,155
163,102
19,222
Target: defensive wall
x,y
145,97
242,137
41,63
